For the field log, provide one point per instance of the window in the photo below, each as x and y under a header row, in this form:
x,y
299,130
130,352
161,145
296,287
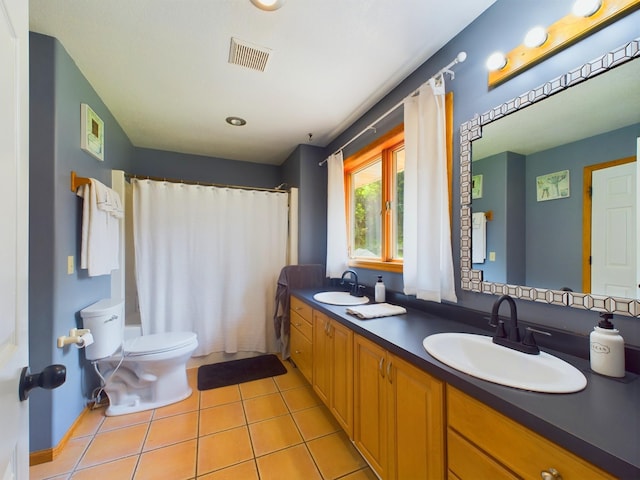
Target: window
x,y
374,179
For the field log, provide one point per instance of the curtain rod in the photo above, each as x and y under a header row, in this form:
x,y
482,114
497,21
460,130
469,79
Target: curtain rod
x,y
204,184
461,57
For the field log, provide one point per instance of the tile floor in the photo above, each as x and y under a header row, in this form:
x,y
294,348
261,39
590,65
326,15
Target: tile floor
x,y
275,428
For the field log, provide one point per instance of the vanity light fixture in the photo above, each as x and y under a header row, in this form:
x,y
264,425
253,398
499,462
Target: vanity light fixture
x,y
496,61
536,37
236,121
586,8
587,17
268,5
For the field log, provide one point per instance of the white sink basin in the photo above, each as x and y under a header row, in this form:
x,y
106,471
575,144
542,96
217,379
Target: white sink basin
x,y
478,356
339,298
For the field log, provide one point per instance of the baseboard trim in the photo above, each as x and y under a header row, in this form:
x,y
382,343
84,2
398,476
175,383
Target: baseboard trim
x,y
49,454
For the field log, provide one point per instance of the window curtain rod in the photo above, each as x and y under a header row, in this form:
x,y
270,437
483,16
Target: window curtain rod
x,y
461,57
129,176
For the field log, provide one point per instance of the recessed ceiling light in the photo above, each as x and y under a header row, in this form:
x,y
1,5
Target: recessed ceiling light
x,y
236,121
268,5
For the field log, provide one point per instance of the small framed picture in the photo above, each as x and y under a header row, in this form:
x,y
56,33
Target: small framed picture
x,y
91,132
552,186
476,186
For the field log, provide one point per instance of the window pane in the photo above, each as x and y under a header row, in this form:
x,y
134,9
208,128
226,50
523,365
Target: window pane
x,y
366,235
398,204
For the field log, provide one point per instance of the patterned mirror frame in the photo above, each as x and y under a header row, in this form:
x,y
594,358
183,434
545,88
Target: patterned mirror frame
x,y
472,130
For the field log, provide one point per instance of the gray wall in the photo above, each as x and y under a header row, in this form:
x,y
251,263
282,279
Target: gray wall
x,y
57,88
502,27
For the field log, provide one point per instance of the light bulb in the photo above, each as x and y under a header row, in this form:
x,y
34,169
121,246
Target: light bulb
x,y
535,37
268,4
496,61
586,8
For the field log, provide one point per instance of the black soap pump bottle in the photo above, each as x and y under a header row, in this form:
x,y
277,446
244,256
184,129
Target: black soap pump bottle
x,y
380,290
606,347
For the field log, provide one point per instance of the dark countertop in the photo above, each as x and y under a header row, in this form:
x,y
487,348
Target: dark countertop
x,y
600,424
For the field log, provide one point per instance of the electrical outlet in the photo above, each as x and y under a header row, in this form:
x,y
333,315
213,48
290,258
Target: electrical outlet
x,y
70,265
492,256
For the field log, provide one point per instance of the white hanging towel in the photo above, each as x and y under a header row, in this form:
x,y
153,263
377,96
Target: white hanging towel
x,y
478,237
101,213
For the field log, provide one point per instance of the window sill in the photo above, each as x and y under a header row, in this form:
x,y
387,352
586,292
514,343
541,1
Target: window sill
x,y
396,267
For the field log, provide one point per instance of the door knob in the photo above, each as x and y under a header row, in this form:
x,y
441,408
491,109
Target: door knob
x,y
51,377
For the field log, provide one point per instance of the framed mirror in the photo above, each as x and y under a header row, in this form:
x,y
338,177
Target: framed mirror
x,y
534,223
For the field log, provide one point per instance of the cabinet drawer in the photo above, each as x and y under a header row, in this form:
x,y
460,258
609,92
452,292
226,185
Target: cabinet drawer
x,y
301,324
466,461
301,308
301,352
517,448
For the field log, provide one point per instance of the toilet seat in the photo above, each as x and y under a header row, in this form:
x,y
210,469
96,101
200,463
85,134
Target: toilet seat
x,y
158,343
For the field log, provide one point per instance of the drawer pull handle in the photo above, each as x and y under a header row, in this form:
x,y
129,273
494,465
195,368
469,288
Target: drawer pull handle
x,y
389,372
550,474
380,367
298,324
298,352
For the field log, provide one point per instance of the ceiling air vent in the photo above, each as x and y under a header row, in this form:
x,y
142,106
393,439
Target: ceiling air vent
x,y
247,55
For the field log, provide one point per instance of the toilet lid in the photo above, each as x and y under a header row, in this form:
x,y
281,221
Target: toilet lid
x,y
158,342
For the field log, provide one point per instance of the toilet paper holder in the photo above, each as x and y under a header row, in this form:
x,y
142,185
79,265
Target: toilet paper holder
x,y
75,337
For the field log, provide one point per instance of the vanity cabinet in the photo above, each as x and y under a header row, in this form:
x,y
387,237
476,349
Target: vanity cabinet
x,y
483,443
300,336
333,368
399,415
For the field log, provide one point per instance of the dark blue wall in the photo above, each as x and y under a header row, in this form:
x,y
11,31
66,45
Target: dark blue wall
x,y
502,27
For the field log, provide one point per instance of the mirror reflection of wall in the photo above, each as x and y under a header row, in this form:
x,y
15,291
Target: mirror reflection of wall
x,y
537,234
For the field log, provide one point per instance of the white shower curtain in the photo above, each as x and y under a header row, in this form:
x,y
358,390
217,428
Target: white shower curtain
x,y
337,244
207,261
428,260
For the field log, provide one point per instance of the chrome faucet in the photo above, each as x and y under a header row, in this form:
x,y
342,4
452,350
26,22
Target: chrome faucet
x,y
354,288
511,339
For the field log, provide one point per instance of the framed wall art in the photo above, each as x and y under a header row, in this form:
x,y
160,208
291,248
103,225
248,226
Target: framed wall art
x,y
552,186
91,132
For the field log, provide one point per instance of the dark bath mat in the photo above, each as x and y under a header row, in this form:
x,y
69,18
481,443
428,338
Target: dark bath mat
x,y
239,371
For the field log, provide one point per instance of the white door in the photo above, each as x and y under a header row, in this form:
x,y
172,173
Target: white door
x,y
613,231
14,241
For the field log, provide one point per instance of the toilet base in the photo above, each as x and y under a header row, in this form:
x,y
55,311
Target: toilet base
x,y
140,406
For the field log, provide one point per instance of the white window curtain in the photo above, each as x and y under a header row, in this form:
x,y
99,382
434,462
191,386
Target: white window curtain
x,y
428,260
207,261
337,246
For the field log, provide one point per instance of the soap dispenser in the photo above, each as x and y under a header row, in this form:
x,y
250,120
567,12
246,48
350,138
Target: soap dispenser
x,y
380,290
606,348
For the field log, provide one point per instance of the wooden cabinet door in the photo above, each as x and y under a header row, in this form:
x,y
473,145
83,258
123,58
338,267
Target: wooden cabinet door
x,y
370,403
321,356
341,404
416,422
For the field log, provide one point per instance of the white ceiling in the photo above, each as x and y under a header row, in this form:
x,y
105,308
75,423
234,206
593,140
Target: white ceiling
x,y
161,66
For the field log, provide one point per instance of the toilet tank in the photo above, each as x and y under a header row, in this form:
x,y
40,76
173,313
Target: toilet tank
x,y
105,319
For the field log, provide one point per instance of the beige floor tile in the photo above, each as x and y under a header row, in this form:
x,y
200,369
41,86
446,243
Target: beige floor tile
x,y
224,449
89,423
364,474
292,379
335,455
170,430
274,434
114,444
291,463
264,407
64,462
118,469
222,417
219,396
119,421
175,462
300,398
256,388
242,471
187,405
315,422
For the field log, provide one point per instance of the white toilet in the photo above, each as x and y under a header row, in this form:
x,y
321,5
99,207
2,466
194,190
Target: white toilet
x,y
142,372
